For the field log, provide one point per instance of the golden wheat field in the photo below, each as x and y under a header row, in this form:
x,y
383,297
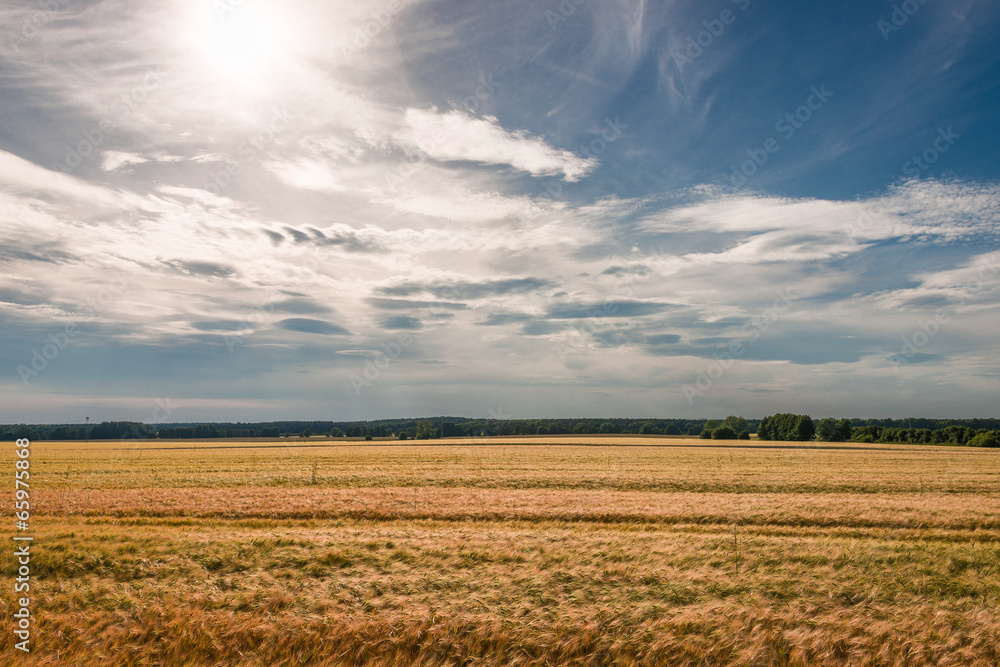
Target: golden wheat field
x,y
526,551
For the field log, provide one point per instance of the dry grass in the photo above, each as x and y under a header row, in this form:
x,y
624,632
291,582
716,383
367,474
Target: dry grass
x,y
463,554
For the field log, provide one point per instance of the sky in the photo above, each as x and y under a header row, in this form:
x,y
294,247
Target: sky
x,y
256,210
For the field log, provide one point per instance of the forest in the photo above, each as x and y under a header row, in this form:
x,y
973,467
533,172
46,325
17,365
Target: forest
x,y
777,427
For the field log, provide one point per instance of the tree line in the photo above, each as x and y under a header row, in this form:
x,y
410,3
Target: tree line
x,y
434,427
778,427
787,426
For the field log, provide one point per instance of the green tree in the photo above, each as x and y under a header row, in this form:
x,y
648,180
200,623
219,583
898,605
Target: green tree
x,y
449,429
744,435
425,430
786,426
828,430
804,428
985,439
706,434
737,424
723,433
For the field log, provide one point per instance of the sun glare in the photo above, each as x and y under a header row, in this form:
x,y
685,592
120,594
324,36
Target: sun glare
x,y
240,40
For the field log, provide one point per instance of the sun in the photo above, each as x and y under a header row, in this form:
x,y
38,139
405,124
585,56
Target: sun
x,y
239,40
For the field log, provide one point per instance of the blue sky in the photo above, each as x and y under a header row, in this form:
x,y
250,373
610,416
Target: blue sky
x,y
251,210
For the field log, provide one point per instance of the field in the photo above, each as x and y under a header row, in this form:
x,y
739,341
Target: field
x,y
538,551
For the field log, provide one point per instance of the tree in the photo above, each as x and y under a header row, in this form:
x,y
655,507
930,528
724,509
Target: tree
x,y
737,424
723,433
827,430
110,430
744,435
831,430
402,435
786,426
306,433
425,430
706,434
804,428
985,439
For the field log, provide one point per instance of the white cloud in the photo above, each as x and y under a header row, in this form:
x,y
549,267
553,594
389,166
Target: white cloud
x,y
306,174
786,229
467,207
202,197
112,160
458,136
972,286
20,175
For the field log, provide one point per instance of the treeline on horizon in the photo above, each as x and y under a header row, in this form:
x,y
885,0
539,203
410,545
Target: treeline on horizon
x,y
782,426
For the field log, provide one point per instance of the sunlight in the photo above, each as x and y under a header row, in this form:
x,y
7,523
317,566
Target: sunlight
x,y
240,40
